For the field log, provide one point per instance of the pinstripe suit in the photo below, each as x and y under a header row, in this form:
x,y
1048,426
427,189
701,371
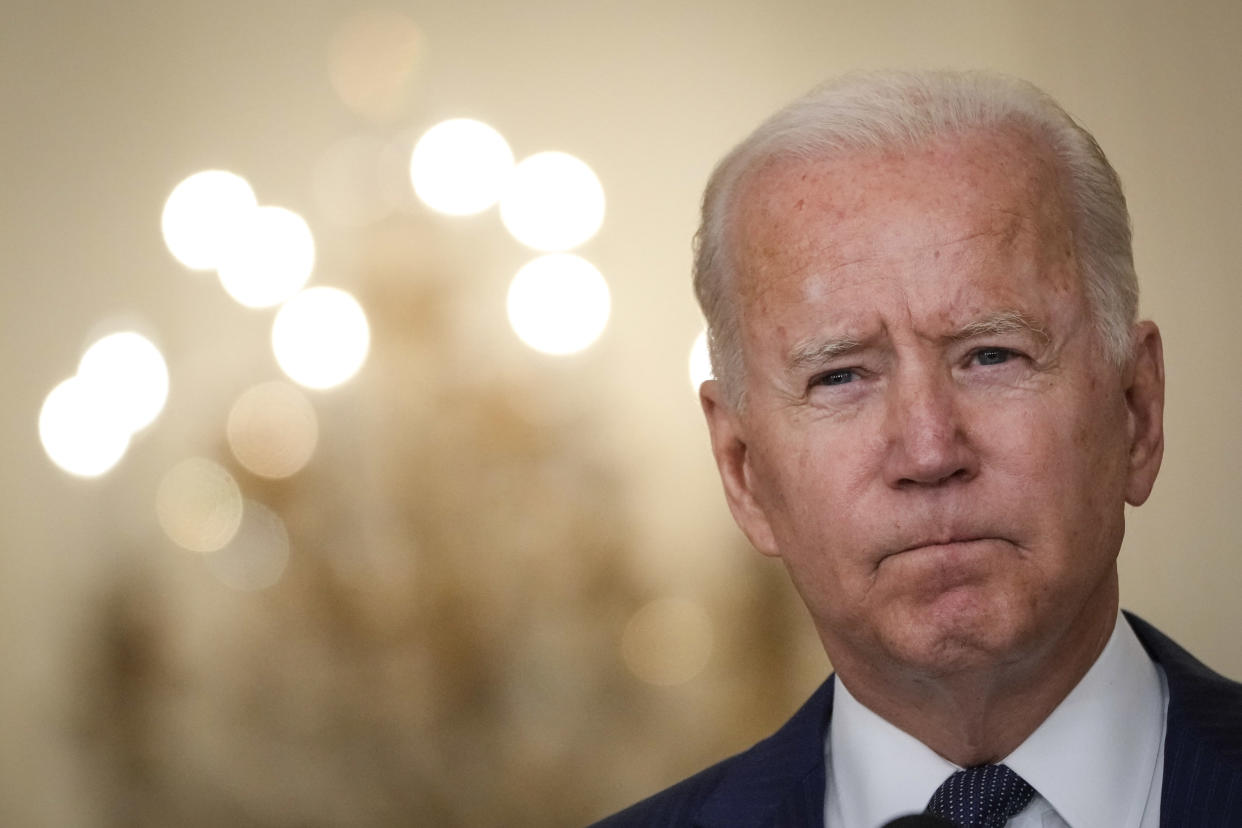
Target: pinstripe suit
x,y
780,781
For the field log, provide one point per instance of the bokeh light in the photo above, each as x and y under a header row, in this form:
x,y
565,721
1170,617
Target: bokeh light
x,y
460,166
129,378
667,642
77,436
271,258
321,337
199,505
202,216
257,555
553,202
558,304
86,422
372,60
700,362
272,429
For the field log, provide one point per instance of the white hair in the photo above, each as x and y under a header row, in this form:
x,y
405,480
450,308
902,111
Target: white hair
x,y
884,110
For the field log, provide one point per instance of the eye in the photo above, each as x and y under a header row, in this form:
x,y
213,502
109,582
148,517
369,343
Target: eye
x,y
992,356
841,376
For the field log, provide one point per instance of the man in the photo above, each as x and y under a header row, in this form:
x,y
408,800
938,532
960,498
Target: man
x,y
933,401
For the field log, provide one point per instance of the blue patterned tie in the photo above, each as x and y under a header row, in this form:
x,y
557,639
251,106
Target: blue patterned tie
x,y
981,797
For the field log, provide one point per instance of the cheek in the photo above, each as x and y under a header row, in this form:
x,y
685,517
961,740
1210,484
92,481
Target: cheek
x,y
825,516
1099,441
1065,473
829,479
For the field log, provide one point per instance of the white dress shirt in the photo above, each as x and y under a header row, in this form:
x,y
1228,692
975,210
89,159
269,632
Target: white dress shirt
x,y
1097,761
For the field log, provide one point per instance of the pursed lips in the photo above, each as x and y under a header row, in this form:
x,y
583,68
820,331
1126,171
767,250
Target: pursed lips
x,y
946,542
939,543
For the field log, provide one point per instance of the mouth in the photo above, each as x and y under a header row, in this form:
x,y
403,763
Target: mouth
x,y
949,545
954,541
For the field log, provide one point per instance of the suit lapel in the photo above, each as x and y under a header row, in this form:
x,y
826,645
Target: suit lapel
x,y
780,781
1203,745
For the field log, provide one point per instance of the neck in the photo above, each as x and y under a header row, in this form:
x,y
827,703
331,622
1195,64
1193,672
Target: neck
x,y
980,715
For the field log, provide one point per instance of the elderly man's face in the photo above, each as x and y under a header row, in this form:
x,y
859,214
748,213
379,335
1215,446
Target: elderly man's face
x,y
934,440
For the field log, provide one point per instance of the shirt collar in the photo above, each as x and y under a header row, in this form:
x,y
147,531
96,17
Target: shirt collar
x,y
876,772
1093,758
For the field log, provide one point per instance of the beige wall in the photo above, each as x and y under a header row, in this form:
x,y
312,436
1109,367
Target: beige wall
x,y
106,106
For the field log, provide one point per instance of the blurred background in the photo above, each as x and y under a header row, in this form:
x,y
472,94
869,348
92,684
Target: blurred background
x,y
338,492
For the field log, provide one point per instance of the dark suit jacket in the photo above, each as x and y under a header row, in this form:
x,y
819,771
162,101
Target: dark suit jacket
x,y
780,781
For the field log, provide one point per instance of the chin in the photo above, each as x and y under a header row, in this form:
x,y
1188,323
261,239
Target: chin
x,y
956,634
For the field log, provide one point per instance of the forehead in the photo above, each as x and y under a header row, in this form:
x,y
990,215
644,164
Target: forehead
x,y
969,193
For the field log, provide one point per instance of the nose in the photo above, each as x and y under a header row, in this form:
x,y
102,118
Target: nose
x,y
926,443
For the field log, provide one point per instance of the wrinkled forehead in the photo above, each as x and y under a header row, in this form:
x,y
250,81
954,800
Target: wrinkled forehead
x,y
796,213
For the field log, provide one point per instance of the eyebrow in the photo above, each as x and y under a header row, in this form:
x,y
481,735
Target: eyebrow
x,y
814,352
1001,322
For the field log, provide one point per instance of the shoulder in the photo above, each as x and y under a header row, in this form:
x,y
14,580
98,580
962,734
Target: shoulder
x,y
1205,708
674,806
784,771
1192,684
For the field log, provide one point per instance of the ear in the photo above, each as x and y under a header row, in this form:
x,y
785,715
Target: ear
x,y
1145,411
733,459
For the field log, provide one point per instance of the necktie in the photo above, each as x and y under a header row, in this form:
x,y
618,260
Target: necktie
x,y
981,797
